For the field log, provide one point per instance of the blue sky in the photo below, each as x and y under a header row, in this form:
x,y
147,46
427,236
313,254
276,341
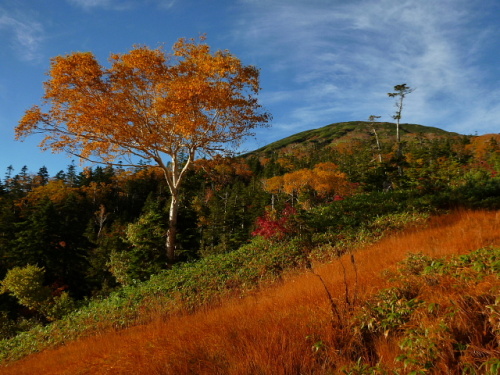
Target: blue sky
x,y
321,61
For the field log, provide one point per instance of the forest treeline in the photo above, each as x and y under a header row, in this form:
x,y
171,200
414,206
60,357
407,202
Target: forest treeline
x,y
80,234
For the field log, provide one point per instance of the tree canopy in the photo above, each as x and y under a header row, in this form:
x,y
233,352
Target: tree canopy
x,y
148,105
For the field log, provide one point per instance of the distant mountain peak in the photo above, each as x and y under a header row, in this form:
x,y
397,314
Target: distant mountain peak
x,y
345,131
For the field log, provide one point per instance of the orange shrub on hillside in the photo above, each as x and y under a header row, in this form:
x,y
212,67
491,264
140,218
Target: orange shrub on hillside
x,y
325,180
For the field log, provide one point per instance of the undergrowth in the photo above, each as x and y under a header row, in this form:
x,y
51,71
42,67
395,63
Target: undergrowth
x,y
443,313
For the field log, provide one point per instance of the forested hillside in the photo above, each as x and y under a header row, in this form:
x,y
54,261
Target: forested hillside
x,y
71,239
361,130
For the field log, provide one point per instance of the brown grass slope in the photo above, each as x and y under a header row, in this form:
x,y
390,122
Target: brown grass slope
x,y
293,327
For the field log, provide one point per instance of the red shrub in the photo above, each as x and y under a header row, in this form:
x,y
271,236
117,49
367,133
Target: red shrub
x,y
275,226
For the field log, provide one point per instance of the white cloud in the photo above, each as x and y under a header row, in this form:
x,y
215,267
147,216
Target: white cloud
x,y
344,56
120,4
88,4
25,35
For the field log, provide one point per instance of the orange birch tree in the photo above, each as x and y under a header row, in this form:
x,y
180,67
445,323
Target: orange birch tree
x,y
169,109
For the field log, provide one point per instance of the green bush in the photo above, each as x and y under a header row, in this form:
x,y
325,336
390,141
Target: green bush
x,y
26,284
363,209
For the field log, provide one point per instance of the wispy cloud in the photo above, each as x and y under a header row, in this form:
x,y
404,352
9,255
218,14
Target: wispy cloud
x,y
105,4
24,35
166,4
120,5
343,57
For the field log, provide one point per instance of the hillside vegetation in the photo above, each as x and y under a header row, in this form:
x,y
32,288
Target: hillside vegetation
x,y
421,301
83,256
344,131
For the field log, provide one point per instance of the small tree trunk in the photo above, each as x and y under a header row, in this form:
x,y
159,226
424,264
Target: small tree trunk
x,y
399,154
372,121
172,229
398,136
379,149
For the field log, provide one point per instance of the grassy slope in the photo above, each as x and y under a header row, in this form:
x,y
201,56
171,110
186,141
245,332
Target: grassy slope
x,y
361,219
293,328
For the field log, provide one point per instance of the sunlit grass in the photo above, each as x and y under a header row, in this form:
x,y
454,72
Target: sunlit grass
x,y
288,328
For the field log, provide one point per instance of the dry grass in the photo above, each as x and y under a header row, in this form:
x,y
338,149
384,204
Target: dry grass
x,y
285,329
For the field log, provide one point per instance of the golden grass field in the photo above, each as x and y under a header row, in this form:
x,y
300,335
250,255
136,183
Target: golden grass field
x,y
285,328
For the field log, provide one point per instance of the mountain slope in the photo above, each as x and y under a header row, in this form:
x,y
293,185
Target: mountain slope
x,y
342,131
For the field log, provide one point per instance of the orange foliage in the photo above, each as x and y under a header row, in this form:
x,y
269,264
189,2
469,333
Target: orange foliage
x,y
328,180
273,185
286,329
484,145
55,190
350,147
295,182
165,108
291,156
221,170
97,191
285,163
325,179
147,103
